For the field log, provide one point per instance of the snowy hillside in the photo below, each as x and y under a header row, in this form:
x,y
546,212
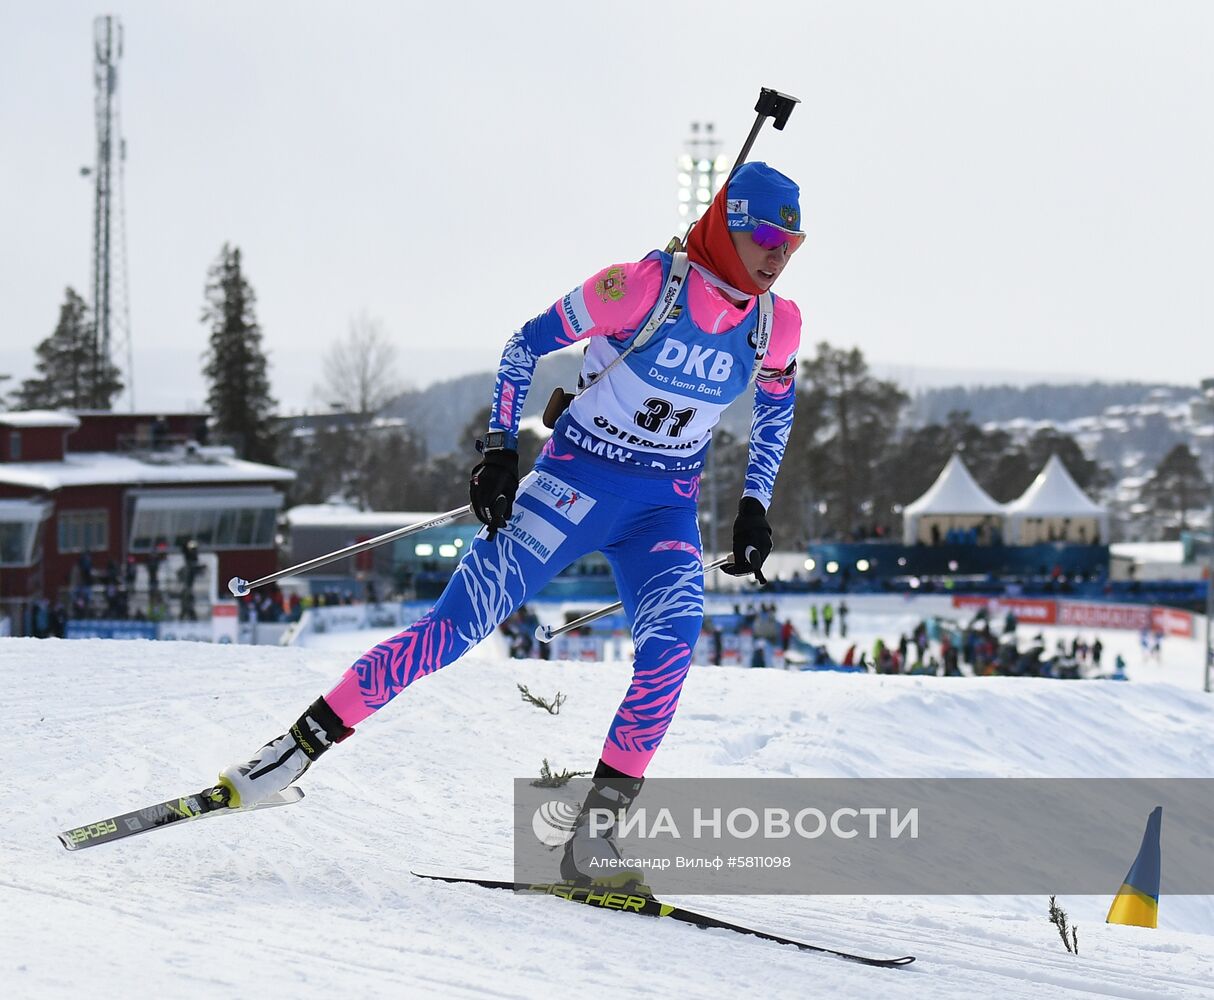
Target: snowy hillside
x,y
316,900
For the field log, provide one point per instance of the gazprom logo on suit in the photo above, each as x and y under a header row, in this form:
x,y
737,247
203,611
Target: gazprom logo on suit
x,y
700,362
535,534
573,306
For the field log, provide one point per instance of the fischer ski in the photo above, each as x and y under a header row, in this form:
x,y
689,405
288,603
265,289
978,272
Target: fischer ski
x,y
209,802
608,898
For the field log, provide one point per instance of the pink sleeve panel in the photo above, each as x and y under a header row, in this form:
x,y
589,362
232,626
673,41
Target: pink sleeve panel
x,y
612,303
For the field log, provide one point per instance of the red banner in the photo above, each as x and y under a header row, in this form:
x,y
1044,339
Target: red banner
x,y
1083,614
1171,621
1026,609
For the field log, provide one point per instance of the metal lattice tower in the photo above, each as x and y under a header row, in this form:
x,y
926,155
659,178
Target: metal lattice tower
x,y
111,301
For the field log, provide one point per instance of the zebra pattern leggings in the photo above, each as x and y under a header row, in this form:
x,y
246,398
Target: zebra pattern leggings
x,y
654,552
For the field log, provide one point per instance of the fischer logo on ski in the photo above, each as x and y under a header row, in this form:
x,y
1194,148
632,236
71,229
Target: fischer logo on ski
x,y
611,898
209,802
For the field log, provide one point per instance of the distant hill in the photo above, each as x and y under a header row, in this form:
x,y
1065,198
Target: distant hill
x,y
1057,403
442,410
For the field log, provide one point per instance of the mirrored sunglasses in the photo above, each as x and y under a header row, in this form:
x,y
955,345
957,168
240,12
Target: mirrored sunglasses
x,y
770,236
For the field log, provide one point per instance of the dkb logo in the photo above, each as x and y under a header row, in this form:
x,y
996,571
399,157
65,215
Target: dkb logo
x,y
695,360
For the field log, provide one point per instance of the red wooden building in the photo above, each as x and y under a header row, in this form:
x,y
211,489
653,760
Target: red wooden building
x,y
118,484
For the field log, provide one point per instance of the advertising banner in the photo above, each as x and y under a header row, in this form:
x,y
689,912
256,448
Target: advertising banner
x,y
184,631
225,622
1083,614
581,648
106,628
339,618
1090,614
1029,610
736,650
1172,621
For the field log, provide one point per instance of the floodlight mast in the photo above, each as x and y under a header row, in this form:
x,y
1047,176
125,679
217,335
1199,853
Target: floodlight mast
x,y
771,104
703,180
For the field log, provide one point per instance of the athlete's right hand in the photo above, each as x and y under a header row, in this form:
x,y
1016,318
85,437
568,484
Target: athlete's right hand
x,y
492,487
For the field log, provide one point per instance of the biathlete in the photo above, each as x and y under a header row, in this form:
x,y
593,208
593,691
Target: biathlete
x,y
671,340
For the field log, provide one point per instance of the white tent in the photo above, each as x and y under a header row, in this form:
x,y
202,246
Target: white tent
x,y
953,501
1055,509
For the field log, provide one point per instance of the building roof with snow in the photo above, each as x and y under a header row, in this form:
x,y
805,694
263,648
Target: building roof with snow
x,y
39,418
120,486
193,464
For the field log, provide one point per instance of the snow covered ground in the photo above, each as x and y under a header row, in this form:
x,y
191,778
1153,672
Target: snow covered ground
x,y
317,900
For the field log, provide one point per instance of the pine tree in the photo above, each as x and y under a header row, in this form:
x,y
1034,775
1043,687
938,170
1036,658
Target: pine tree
x,y
1020,465
1001,466
991,456
721,486
390,479
318,457
853,421
235,364
1177,486
69,376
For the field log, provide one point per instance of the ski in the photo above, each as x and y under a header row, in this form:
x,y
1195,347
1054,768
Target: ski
x,y
632,902
208,802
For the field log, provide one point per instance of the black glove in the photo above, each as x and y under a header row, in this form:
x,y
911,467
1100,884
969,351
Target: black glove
x,y
751,540
492,487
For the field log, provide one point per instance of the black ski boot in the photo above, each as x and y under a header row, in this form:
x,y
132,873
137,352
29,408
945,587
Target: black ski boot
x,y
592,858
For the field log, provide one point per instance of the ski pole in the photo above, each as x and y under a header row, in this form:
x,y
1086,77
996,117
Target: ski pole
x,y
241,588
546,633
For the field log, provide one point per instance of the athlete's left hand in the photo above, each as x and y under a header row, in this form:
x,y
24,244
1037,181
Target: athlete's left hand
x,y
751,541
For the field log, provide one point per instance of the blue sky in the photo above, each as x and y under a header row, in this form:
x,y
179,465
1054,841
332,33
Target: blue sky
x,y
986,186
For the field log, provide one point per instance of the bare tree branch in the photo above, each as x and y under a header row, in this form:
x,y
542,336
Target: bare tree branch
x,y
360,370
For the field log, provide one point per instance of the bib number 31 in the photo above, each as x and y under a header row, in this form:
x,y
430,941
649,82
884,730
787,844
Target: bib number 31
x,y
658,412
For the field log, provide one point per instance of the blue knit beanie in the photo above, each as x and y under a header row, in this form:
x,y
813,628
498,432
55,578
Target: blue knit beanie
x,y
758,191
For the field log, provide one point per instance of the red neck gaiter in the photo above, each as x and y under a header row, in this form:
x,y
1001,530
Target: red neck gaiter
x,y
710,246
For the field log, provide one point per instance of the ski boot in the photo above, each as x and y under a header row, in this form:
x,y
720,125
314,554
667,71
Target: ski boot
x,y
281,761
592,857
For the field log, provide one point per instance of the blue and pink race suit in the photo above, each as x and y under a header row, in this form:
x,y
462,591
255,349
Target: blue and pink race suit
x,y
620,475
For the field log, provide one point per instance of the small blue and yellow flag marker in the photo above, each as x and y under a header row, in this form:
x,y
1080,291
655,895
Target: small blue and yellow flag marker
x,y
1137,901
